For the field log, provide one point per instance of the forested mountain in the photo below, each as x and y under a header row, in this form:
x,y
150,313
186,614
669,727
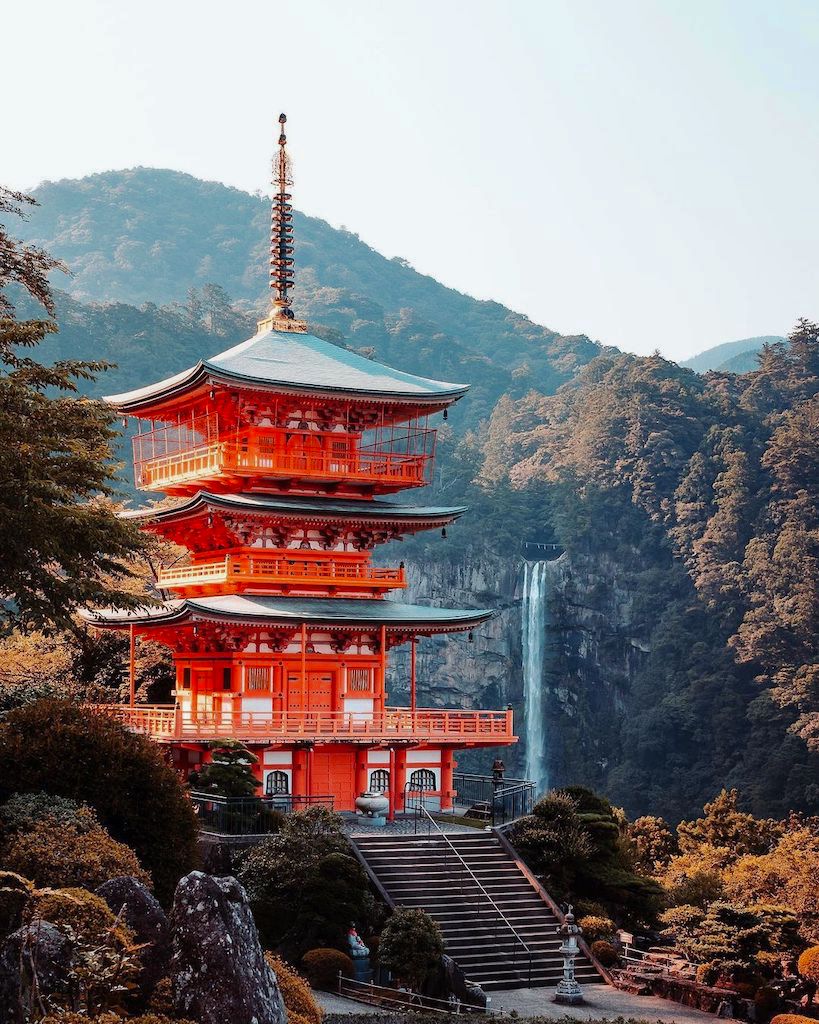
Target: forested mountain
x,y
683,614
734,356
146,235
704,493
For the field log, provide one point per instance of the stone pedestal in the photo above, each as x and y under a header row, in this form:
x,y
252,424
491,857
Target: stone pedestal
x,y
568,992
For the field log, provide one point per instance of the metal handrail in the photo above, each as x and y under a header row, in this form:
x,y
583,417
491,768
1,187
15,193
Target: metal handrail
x,y
422,810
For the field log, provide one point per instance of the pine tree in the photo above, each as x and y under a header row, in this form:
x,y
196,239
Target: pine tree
x,y
63,543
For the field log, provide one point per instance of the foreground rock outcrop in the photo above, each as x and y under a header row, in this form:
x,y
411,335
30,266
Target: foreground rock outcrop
x,y
140,910
36,947
218,968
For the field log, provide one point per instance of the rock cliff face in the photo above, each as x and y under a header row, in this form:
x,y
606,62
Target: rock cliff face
x,y
593,645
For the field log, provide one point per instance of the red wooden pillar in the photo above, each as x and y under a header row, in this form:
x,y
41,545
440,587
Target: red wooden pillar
x,y
401,778
304,668
413,700
393,787
309,788
361,770
447,785
299,774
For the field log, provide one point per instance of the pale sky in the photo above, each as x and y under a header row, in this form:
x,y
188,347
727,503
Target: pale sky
x,y
643,172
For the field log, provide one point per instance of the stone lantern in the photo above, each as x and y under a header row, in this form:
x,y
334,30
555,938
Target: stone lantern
x,y
568,991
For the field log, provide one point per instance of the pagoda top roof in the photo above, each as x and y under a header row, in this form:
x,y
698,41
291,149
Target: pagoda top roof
x,y
292,361
289,611
298,507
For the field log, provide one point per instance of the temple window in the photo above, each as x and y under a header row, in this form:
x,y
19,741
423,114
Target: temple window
x,y
359,680
380,781
257,677
276,784
422,780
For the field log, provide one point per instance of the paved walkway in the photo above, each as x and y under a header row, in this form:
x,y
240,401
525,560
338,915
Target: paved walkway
x,y
356,825
601,1001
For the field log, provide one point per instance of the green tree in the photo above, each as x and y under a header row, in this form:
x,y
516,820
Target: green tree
x,y
304,886
411,946
229,771
64,544
57,747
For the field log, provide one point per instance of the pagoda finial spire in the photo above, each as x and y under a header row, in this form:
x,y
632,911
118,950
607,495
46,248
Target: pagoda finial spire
x,y
281,242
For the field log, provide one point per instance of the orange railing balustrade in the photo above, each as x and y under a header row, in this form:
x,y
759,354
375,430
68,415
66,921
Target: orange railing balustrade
x,y
167,722
170,457
295,569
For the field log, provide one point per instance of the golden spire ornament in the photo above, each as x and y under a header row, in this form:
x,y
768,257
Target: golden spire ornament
x,y
281,243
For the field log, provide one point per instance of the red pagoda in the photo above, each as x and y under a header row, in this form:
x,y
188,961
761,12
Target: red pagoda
x,y
280,450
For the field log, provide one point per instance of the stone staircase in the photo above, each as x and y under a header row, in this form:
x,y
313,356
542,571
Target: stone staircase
x,y
496,925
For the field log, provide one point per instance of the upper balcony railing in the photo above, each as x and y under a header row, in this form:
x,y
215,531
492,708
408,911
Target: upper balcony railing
x,y
425,724
183,456
282,571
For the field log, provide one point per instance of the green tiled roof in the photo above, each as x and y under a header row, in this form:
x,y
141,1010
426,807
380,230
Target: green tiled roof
x,y
312,610
289,360
329,508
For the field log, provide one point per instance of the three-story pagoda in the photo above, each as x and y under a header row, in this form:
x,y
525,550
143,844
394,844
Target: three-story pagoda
x,y
279,451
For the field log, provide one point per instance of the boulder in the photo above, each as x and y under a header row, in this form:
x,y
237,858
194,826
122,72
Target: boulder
x,y
36,947
449,980
140,910
218,968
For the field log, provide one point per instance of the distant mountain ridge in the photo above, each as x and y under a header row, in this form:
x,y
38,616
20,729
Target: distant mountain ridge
x,y
731,356
146,235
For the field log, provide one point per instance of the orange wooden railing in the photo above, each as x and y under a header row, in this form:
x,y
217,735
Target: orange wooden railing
x,y
167,722
267,453
295,569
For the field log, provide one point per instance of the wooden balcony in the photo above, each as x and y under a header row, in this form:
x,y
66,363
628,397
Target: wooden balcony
x,y
283,572
166,723
177,459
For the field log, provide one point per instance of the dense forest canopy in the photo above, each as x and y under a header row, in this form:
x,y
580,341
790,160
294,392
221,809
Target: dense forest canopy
x,y
705,490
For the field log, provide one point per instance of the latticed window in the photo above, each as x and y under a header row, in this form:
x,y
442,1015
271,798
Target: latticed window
x,y
277,784
422,779
257,677
358,679
380,781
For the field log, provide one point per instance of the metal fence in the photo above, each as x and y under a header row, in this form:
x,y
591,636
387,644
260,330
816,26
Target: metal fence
x,y
495,801
250,816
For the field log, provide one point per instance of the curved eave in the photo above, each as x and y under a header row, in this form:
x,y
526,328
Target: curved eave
x,y
293,508
291,612
298,364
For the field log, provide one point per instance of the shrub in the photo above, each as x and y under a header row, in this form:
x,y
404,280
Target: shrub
x,y
15,892
24,810
321,966
87,916
64,750
68,1017
808,964
411,946
60,855
298,999
604,952
304,885
595,928
161,1001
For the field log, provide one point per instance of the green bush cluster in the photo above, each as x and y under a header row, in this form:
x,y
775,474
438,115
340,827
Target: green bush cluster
x,y
63,750
322,967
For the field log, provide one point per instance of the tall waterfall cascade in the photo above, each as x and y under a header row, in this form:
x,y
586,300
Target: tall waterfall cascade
x,y
535,576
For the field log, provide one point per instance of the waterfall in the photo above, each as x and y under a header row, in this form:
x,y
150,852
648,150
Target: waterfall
x,y
534,642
